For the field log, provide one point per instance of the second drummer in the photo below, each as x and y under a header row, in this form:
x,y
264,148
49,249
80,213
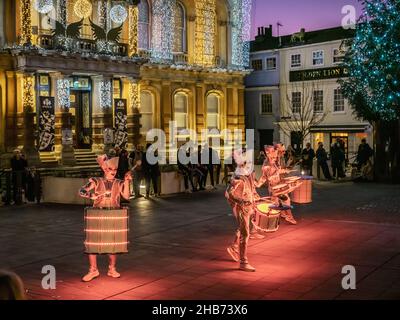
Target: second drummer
x,y
271,176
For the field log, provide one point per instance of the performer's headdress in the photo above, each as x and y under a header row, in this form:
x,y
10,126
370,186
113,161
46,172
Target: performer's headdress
x,y
244,161
270,151
107,163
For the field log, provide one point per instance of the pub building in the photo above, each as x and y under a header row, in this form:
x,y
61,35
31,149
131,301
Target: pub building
x,y
78,76
298,74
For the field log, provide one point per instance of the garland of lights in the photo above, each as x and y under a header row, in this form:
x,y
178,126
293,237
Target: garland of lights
x,y
118,14
43,6
63,93
62,12
28,93
26,23
163,29
204,52
134,95
102,9
373,63
240,22
83,8
105,94
133,30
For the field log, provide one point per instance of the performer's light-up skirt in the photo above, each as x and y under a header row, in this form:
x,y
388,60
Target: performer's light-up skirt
x,y
106,230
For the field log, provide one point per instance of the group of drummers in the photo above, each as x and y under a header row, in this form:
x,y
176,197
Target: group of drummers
x,y
256,214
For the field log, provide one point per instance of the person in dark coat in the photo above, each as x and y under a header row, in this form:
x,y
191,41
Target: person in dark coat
x,y
213,164
322,158
18,168
136,164
307,157
337,158
364,153
151,172
123,164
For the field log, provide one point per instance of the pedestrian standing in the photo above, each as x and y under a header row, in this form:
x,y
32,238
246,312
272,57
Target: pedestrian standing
x,y
322,158
19,165
307,157
151,173
136,163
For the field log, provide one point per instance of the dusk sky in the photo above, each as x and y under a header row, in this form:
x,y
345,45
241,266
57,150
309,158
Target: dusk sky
x,y
295,14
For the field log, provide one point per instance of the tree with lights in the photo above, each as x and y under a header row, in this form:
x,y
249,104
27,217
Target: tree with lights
x,y
373,85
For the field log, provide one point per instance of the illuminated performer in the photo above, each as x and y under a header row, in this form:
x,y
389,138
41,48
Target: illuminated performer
x,y
242,196
272,177
106,223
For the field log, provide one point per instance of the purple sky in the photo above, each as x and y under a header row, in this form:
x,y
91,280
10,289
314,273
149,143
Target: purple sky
x,y
294,14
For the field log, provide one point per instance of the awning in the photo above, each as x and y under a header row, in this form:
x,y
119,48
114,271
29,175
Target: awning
x,y
342,128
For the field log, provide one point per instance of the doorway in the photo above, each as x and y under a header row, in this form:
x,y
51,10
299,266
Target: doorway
x,y
266,138
81,110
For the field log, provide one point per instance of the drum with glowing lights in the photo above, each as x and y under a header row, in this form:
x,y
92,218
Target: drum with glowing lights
x,y
266,219
106,230
303,194
293,182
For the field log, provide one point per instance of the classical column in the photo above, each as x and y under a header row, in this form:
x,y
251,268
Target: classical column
x,y
106,105
30,127
133,30
11,111
26,22
63,104
133,111
200,112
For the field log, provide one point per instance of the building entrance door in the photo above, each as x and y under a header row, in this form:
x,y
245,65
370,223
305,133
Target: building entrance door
x,y
266,138
81,109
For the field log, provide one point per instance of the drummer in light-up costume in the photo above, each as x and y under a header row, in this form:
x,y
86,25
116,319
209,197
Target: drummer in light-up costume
x,y
106,223
242,195
272,177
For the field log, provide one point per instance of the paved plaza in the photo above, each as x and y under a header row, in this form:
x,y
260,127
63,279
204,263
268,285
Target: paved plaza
x,y
178,249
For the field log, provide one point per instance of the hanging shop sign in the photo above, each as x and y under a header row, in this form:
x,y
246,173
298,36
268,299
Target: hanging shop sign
x,y
121,123
318,74
46,124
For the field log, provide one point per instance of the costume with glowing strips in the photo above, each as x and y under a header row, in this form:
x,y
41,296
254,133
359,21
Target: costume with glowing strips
x,y
242,195
106,223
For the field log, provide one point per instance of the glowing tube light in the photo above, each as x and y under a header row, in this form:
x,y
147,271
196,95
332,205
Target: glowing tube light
x,y
106,218
106,231
106,243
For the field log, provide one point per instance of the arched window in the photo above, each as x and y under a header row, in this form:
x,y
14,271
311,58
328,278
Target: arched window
x,y
144,25
179,28
181,110
146,111
213,106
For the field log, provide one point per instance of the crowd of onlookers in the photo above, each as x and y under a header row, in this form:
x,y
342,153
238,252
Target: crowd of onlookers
x,y
336,155
194,173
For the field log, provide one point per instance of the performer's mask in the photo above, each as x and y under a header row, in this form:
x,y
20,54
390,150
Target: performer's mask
x,y
109,166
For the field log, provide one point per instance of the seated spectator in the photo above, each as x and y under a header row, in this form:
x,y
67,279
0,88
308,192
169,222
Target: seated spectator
x,y
11,286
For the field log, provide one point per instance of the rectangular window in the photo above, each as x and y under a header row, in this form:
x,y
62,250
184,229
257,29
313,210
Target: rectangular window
x,y
296,102
257,65
338,56
318,101
338,101
296,60
318,58
271,63
266,103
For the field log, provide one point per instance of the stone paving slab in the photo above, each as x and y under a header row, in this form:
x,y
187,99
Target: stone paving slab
x,y
178,250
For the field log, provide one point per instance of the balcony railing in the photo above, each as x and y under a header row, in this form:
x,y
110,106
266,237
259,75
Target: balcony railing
x,y
50,42
181,59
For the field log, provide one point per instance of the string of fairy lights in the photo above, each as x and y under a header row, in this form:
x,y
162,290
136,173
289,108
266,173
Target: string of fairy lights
x,y
105,94
162,37
162,29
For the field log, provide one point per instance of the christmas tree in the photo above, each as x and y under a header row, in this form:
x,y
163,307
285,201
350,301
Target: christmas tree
x,y
373,85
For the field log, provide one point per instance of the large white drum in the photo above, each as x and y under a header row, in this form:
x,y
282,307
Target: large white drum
x,y
303,194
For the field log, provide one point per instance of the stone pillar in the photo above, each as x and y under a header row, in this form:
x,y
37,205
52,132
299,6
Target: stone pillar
x,y
11,112
63,104
29,114
106,105
133,111
200,110
26,23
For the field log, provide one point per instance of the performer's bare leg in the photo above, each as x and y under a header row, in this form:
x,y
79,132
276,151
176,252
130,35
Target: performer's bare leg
x,y
288,215
93,271
244,226
112,271
233,249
